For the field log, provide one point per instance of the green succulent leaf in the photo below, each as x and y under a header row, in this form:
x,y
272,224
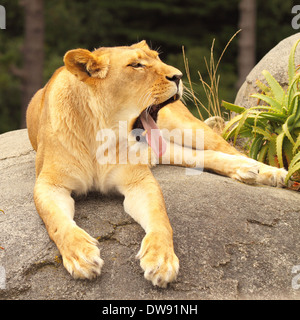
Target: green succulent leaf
x,y
275,87
295,159
266,135
291,66
287,126
297,115
263,152
279,146
273,117
297,145
240,124
293,107
292,91
275,104
233,107
255,147
226,135
272,152
291,171
288,151
265,89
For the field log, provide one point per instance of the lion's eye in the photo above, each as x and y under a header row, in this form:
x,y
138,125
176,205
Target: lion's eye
x,y
136,65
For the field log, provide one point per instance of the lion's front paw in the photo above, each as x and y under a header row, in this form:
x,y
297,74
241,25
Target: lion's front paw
x,y
81,256
158,260
272,176
253,172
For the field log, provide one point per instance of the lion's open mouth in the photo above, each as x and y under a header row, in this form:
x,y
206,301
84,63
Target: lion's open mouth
x,y
149,131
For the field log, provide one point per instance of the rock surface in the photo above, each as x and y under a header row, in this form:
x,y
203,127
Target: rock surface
x,y
276,62
234,241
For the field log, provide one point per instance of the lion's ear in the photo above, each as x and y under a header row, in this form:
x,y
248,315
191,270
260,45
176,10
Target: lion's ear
x,y
83,64
140,45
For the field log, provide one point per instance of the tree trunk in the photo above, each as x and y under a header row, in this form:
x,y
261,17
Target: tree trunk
x,y
247,39
33,52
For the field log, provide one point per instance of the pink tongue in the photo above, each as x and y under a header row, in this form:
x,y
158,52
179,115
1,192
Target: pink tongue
x,y
153,135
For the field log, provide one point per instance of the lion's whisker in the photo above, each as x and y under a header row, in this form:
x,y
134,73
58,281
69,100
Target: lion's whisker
x,y
144,98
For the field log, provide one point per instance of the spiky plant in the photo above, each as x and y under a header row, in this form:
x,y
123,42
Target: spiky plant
x,y
273,129
211,86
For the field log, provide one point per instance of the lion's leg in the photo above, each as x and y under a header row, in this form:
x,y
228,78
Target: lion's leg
x,y
81,256
144,203
237,167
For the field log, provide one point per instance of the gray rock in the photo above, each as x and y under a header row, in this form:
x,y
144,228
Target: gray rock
x,y
234,241
276,62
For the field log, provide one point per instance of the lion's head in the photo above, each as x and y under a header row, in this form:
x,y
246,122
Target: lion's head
x,y
131,81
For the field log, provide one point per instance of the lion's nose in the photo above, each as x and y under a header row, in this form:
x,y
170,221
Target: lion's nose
x,y
176,78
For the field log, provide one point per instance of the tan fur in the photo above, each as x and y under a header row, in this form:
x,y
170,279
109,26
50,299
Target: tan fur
x,y
94,91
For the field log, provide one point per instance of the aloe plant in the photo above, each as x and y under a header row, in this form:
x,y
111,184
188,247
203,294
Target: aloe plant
x,y
273,128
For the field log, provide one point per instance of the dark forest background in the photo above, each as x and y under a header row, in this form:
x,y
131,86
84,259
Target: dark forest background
x,y
39,32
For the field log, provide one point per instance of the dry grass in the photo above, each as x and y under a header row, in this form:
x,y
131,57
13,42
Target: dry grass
x,y
210,87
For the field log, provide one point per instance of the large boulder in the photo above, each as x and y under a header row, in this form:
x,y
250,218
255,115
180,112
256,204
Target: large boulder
x,y
276,62
234,241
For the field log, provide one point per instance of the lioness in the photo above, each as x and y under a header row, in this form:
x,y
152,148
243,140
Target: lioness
x,y
98,90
